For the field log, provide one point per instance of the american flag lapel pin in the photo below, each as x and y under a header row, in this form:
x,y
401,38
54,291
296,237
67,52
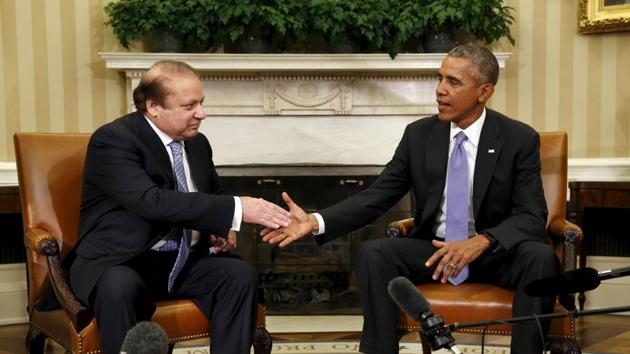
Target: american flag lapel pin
x,y
490,151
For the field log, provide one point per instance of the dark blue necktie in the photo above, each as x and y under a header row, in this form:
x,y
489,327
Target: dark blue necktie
x,y
457,200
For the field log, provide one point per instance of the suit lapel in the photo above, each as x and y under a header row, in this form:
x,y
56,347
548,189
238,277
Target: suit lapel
x,y
196,173
436,158
152,141
488,152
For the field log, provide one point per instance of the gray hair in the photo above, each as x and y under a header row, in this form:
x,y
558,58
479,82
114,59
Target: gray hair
x,y
155,83
483,61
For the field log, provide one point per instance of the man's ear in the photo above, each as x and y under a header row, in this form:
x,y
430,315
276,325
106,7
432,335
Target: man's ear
x,y
487,90
152,107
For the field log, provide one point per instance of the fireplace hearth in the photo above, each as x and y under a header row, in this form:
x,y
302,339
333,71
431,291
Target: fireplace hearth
x,y
305,278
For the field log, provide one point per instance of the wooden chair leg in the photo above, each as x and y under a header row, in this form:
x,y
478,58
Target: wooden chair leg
x,y
35,340
171,347
563,346
262,341
426,345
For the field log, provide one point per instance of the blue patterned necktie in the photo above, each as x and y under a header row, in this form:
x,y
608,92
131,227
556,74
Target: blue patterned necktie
x,y
457,200
179,233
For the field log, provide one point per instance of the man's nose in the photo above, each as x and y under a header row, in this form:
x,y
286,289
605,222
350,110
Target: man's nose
x,y
199,113
440,89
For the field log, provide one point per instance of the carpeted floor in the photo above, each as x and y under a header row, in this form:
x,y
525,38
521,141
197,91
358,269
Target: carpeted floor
x,y
344,347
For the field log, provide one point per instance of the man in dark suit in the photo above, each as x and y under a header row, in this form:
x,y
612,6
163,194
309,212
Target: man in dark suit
x,y
154,220
480,212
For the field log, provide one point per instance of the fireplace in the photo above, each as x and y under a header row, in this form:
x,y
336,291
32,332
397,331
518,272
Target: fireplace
x,y
306,278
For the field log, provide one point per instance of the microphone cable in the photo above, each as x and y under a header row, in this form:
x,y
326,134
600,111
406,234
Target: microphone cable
x,y
540,331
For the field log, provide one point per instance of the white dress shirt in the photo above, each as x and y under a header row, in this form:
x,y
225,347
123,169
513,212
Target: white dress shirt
x,y
238,208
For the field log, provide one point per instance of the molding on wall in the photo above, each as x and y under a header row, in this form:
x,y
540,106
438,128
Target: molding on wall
x,y
8,174
13,294
616,169
285,62
600,169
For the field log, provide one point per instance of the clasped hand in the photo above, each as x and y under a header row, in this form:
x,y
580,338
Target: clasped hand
x,y
261,212
220,244
452,257
300,224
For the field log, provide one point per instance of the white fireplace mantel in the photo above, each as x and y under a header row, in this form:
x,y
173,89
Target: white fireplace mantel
x,y
303,84
285,62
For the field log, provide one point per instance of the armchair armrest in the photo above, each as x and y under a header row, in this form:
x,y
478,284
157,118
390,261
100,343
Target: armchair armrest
x,y
400,228
46,245
570,235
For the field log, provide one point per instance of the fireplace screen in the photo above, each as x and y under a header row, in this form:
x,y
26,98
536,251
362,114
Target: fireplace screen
x,y
305,278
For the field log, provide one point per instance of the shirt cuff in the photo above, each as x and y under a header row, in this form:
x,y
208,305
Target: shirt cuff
x,y
238,214
322,226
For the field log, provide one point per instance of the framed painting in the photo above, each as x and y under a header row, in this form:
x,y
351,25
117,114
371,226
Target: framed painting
x,y
603,15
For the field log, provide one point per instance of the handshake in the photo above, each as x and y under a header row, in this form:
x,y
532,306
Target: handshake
x,y
281,226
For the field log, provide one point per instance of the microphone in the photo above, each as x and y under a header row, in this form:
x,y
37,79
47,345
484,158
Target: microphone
x,y
573,281
146,337
405,294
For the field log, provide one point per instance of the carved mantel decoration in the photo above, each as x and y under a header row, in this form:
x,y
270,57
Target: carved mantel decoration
x,y
303,84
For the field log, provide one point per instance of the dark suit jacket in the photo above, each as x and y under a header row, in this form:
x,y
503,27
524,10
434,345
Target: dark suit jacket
x,y
129,198
508,199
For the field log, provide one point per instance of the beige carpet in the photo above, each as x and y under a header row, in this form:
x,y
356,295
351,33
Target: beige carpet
x,y
344,347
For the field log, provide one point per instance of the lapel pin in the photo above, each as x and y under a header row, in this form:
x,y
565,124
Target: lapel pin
x,y
490,151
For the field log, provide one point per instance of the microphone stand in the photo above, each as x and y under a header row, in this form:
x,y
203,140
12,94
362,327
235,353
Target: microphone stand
x,y
573,314
440,336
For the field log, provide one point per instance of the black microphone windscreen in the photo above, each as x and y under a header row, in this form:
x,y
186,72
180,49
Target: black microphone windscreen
x,y
146,337
570,282
405,294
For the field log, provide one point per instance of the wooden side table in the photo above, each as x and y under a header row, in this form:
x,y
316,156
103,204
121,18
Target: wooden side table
x,y
594,195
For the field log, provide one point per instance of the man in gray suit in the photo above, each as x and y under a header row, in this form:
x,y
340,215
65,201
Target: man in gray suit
x,y
480,212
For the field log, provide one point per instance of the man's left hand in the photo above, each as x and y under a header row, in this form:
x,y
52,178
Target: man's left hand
x,y
452,257
220,244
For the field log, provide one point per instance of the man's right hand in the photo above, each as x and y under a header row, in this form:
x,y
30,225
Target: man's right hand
x,y
261,212
301,224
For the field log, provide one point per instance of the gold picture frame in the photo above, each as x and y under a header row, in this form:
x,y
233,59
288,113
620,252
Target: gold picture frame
x,y
603,16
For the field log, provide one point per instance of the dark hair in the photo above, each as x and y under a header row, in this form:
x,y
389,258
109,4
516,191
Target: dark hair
x,y
155,82
482,59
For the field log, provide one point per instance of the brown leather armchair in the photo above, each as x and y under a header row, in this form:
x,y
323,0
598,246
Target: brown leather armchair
x,y
489,302
50,169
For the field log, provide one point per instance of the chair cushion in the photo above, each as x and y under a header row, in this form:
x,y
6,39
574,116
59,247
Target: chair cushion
x,y
181,319
474,302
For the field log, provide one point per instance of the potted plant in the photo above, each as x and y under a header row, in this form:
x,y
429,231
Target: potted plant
x,y
260,26
165,22
484,20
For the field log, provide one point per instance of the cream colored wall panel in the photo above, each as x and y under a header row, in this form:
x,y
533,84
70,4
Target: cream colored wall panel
x,y
85,73
4,145
524,62
13,298
578,135
552,67
54,65
25,67
609,104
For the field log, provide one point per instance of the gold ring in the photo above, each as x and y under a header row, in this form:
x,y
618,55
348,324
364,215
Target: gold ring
x,y
452,265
